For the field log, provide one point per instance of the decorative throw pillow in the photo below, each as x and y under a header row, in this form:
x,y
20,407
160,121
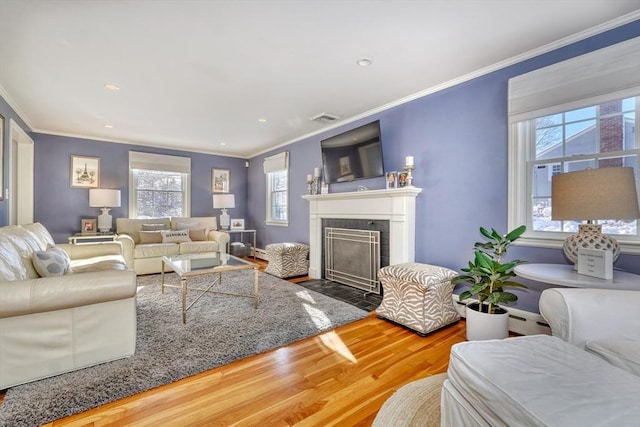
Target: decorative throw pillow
x,y
197,234
169,236
184,225
150,237
153,227
52,262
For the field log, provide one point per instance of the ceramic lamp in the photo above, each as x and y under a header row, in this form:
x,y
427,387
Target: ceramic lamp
x,y
593,194
104,198
224,202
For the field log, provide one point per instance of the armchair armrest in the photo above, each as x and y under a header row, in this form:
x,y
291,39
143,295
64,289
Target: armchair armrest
x,y
221,237
578,315
90,250
128,246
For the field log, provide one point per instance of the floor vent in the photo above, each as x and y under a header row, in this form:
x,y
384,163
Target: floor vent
x,y
325,118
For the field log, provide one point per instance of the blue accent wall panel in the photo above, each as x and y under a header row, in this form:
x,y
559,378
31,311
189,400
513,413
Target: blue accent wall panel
x,y
60,207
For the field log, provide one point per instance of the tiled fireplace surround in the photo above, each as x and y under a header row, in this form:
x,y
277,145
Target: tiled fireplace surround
x,y
396,206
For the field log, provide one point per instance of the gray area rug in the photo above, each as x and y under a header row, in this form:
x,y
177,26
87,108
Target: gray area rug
x,y
219,330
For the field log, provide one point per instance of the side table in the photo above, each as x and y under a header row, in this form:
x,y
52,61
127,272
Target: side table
x,y
80,238
565,275
241,232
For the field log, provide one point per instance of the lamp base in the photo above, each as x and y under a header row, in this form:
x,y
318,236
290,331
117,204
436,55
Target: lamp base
x,y
105,221
225,220
589,236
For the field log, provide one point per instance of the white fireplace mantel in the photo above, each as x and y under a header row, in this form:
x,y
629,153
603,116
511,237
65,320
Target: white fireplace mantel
x,y
397,206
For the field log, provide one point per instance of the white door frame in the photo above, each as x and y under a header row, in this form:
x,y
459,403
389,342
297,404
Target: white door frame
x,y
21,175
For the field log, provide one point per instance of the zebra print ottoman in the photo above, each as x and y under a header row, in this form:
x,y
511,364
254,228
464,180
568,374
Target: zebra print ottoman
x,y
417,296
287,259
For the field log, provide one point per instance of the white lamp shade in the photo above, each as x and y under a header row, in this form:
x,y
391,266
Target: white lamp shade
x,y
224,201
104,197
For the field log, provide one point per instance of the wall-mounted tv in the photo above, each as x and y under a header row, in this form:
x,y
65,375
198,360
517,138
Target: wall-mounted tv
x,y
355,154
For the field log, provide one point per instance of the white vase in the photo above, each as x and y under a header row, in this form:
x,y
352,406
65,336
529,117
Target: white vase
x,y
485,326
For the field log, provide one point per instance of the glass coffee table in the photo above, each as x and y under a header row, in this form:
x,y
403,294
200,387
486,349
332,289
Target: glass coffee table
x,y
190,265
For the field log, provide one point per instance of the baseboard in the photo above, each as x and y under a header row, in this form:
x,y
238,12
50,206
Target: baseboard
x,y
520,321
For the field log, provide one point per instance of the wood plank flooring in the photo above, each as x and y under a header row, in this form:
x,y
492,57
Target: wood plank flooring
x,y
341,377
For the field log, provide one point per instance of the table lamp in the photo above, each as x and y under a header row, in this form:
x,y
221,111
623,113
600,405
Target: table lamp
x,y
224,202
104,198
593,194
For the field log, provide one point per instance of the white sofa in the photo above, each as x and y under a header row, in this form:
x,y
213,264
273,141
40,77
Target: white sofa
x,y
587,374
144,248
59,323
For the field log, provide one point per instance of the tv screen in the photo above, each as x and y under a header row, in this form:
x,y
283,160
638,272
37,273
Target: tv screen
x,y
355,154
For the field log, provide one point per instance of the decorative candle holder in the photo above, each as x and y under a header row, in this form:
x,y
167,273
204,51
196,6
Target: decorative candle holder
x,y
409,175
310,186
315,185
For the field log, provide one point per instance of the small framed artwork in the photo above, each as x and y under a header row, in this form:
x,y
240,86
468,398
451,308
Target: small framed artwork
x,y
402,179
88,225
85,172
392,180
220,180
1,157
237,224
345,166
324,188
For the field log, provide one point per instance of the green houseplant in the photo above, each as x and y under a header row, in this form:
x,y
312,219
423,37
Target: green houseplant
x,y
488,277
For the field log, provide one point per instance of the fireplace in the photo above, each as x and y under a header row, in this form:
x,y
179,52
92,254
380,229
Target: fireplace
x,y
396,206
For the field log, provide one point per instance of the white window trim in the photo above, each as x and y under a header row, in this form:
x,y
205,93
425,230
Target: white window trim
x,y
276,163
591,79
151,161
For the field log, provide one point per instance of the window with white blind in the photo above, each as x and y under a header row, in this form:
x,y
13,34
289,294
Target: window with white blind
x,y
574,115
276,169
159,185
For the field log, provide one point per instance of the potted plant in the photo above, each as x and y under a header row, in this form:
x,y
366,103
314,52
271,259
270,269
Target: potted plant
x,y
488,276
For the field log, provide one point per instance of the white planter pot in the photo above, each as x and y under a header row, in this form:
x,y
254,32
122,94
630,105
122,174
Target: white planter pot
x,y
484,326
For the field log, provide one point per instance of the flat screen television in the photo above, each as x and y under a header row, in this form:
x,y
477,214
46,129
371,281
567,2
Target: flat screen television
x,y
355,154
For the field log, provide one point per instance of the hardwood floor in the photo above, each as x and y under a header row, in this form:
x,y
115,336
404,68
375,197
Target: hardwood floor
x,y
341,377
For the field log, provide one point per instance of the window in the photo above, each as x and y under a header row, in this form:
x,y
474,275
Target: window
x,y
558,126
159,185
276,169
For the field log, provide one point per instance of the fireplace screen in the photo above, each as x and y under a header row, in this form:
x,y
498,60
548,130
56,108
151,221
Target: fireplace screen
x,y
352,257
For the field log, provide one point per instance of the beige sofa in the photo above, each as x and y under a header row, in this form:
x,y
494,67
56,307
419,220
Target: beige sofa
x,y
143,245
59,323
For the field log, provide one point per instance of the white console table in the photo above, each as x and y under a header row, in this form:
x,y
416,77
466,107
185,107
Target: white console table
x,y
565,275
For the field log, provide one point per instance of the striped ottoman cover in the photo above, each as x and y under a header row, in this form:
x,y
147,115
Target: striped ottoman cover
x,y
417,296
287,259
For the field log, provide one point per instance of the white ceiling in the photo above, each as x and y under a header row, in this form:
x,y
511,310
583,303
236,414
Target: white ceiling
x,y
198,74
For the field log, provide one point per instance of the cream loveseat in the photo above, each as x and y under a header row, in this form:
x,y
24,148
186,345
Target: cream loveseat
x,y
61,322
146,241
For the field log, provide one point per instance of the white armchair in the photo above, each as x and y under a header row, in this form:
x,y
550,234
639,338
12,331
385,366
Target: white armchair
x,y
605,322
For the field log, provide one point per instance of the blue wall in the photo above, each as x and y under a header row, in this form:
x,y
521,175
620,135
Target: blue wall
x,y
459,138
60,207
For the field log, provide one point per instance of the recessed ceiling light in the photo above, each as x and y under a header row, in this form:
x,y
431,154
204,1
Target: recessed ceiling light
x,y
108,126
111,87
223,144
262,120
365,62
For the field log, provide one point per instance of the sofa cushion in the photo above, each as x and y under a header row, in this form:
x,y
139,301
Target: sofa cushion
x,y
52,262
208,222
624,354
41,233
133,226
198,234
155,250
175,236
25,243
199,247
153,227
98,263
150,237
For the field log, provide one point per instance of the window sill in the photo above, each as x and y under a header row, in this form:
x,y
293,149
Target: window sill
x,y
626,247
278,223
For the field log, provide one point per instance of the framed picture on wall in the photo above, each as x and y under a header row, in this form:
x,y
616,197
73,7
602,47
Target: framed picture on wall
x,y
220,180
1,157
85,172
